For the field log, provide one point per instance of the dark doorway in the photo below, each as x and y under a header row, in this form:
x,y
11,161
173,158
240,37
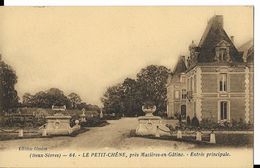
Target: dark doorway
x,y
183,112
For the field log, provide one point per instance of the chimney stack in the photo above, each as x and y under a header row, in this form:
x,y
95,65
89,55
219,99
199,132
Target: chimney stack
x,y
217,21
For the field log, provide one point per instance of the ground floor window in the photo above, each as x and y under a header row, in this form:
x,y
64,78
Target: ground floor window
x,y
183,112
183,94
223,110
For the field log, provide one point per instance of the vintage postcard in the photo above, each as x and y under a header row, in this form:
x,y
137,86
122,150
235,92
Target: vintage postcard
x,y
127,86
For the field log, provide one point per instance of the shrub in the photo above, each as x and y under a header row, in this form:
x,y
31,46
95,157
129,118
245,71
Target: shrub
x,y
94,122
224,125
188,120
171,128
2,121
241,125
208,124
110,117
132,133
73,119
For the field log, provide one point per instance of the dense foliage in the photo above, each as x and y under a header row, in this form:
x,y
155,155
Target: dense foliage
x,y
127,98
8,94
54,96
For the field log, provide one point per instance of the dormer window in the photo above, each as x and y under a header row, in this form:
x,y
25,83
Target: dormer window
x,y
222,52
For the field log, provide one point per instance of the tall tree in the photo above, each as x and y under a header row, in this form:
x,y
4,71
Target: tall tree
x,y
112,100
75,100
152,82
45,99
56,97
92,107
83,105
8,94
27,98
40,100
128,97
131,98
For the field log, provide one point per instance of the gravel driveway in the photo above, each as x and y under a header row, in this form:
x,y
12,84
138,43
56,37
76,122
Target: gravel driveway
x,y
113,136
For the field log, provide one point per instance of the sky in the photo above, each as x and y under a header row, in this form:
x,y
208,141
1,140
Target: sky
x,y
87,49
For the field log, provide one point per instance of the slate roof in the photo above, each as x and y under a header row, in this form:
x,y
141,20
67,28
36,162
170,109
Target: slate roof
x,y
214,34
180,67
250,58
247,50
246,45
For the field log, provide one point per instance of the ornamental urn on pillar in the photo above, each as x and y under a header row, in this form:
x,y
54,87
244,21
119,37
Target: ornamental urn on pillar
x,y
150,124
149,110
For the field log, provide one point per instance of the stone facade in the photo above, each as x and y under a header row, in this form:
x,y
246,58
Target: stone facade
x,y
218,78
176,90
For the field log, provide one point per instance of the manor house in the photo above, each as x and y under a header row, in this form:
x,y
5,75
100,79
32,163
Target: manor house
x,y
215,81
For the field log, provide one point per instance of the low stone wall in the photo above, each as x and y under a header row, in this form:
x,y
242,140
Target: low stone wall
x,y
9,134
220,138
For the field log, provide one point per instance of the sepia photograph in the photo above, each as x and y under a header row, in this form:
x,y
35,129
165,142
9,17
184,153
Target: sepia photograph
x,y
132,86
